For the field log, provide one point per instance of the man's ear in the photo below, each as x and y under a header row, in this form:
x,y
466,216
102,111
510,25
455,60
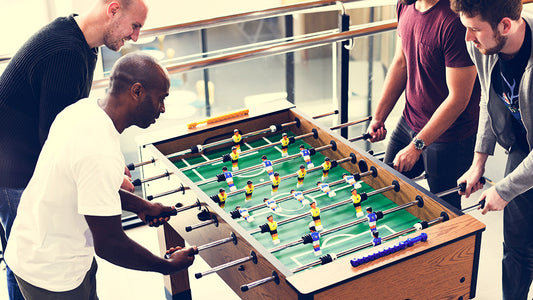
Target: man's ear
x,y
137,91
505,25
112,9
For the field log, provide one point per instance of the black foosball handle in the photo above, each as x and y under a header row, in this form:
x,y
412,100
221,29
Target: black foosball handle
x,y
163,215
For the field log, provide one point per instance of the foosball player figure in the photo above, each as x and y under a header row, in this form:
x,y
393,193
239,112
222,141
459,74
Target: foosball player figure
x,y
315,213
220,198
275,183
307,156
350,179
357,203
273,228
326,189
371,217
248,190
315,235
271,203
299,196
284,145
376,240
244,213
268,167
234,159
237,140
326,165
301,174
229,179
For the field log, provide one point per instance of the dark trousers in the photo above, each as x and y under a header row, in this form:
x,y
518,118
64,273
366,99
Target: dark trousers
x,y
444,163
517,262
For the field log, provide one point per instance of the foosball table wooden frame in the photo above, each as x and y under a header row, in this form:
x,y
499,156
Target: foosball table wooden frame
x,y
444,266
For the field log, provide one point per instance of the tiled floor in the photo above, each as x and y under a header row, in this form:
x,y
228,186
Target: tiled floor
x,y
119,283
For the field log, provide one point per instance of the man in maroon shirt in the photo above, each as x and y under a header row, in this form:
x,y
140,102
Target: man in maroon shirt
x,y
436,132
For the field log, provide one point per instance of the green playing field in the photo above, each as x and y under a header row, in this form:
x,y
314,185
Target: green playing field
x,y
300,254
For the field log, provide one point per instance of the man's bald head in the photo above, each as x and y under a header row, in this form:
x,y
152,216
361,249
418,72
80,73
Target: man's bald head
x,y
137,67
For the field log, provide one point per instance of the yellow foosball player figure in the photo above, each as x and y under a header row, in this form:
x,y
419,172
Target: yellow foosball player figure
x,y
284,145
357,203
273,227
326,166
248,190
315,213
220,198
275,183
237,140
234,159
301,174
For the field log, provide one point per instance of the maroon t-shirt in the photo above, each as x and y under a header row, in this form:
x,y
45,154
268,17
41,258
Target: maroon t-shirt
x,y
432,41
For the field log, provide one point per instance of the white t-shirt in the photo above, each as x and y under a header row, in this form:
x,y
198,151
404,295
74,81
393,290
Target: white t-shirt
x,y
79,172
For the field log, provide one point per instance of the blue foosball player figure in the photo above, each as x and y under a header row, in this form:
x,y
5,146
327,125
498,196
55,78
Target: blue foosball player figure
x,y
229,179
271,203
324,187
350,179
307,156
245,214
315,235
299,196
268,167
376,240
372,218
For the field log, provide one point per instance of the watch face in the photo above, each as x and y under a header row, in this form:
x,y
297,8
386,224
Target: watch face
x,y
419,144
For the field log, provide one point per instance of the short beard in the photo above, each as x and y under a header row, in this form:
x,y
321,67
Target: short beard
x,y
407,2
500,43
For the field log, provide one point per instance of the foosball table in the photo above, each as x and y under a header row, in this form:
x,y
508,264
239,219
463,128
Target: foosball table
x,y
281,207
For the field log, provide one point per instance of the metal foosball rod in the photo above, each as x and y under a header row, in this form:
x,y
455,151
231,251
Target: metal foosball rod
x,y
305,239
331,257
231,238
220,177
351,123
178,208
214,220
364,136
274,277
335,112
132,166
252,257
200,148
460,188
395,186
226,157
180,189
138,182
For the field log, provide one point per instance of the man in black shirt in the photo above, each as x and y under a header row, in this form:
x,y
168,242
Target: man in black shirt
x,y
52,70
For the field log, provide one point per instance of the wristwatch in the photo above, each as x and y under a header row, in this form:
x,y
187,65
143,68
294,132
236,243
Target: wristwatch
x,y
419,143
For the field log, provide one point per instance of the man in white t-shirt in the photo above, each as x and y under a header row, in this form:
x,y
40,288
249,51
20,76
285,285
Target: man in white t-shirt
x,y
72,206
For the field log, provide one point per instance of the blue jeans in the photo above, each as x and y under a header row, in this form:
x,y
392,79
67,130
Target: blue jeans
x,y
9,201
443,162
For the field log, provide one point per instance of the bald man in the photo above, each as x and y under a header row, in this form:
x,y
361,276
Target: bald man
x,y
72,206
52,70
